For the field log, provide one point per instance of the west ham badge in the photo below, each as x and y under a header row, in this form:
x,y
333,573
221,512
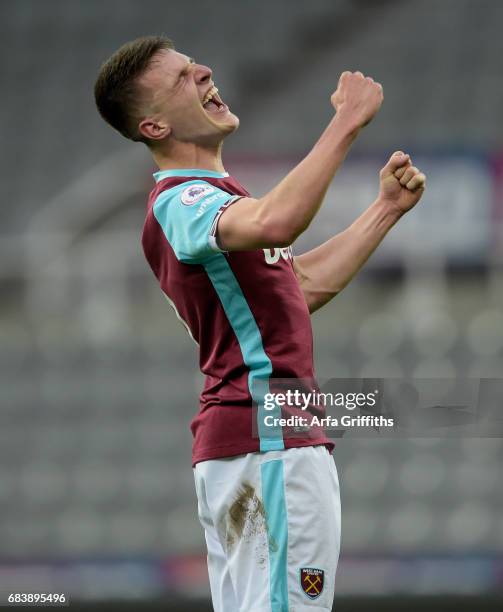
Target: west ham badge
x,y
312,581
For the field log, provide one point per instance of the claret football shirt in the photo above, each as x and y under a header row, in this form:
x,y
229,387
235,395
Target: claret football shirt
x,y
245,310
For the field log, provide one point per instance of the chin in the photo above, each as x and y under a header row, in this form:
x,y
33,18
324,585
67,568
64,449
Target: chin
x,y
228,124
234,123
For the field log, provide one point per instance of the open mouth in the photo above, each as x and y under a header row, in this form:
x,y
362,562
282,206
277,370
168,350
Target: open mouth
x,y
212,103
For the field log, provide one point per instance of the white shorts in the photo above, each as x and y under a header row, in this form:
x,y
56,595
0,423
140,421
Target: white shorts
x,y
272,523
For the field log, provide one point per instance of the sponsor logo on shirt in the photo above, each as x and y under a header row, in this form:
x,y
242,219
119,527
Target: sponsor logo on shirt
x,y
204,205
194,193
272,255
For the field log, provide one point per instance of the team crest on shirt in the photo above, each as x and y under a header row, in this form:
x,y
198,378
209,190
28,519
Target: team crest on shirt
x,y
194,193
312,581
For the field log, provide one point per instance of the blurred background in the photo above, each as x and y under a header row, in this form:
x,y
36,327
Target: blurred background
x,y
98,381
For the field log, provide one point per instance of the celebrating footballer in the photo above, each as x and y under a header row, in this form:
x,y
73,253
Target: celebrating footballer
x,y
268,502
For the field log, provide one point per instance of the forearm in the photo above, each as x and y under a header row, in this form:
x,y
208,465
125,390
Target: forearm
x,y
327,269
292,204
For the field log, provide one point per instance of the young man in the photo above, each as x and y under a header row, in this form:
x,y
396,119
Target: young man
x,y
268,500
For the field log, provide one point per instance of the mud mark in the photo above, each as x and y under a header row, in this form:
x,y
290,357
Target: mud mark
x,y
246,515
245,521
273,545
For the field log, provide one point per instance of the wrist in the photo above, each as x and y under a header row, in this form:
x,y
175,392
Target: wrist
x,y
388,210
347,123
336,140
344,127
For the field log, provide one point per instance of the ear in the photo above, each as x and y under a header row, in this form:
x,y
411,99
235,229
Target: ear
x,y
154,130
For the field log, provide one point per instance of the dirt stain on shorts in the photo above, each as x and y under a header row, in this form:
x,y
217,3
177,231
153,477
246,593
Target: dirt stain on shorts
x,y
246,520
246,515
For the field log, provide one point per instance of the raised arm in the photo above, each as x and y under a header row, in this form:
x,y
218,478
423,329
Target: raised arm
x,y
286,211
327,269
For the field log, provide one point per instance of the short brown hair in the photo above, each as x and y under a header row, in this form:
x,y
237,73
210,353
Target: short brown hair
x,y
115,90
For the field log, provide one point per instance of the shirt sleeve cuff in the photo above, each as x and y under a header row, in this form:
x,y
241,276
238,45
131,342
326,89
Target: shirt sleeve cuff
x,y
212,236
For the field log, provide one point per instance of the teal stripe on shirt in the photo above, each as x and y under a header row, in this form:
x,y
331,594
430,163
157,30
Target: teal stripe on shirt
x,y
273,495
250,342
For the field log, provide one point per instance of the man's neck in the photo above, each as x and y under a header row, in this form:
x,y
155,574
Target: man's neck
x,y
186,155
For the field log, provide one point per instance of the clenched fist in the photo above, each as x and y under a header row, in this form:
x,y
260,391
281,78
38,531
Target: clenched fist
x,y
402,184
357,99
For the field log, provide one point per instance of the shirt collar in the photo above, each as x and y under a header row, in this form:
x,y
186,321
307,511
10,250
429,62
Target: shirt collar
x,y
162,174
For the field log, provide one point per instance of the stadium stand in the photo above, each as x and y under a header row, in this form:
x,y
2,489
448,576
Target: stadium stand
x,y
98,380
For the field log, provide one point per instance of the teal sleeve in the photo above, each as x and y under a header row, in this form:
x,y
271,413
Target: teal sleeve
x,y
188,215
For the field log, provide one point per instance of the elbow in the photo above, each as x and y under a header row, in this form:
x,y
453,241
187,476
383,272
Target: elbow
x,y
280,235
277,231
289,233
280,238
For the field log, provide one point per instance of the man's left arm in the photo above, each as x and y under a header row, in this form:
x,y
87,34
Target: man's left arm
x,y
327,269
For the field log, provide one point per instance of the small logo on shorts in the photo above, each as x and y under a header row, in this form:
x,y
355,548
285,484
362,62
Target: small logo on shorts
x,y
312,581
194,193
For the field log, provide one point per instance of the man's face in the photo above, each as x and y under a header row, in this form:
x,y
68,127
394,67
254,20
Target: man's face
x,y
175,89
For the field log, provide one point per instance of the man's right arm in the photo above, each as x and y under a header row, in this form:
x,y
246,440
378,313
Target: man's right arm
x,y
284,213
